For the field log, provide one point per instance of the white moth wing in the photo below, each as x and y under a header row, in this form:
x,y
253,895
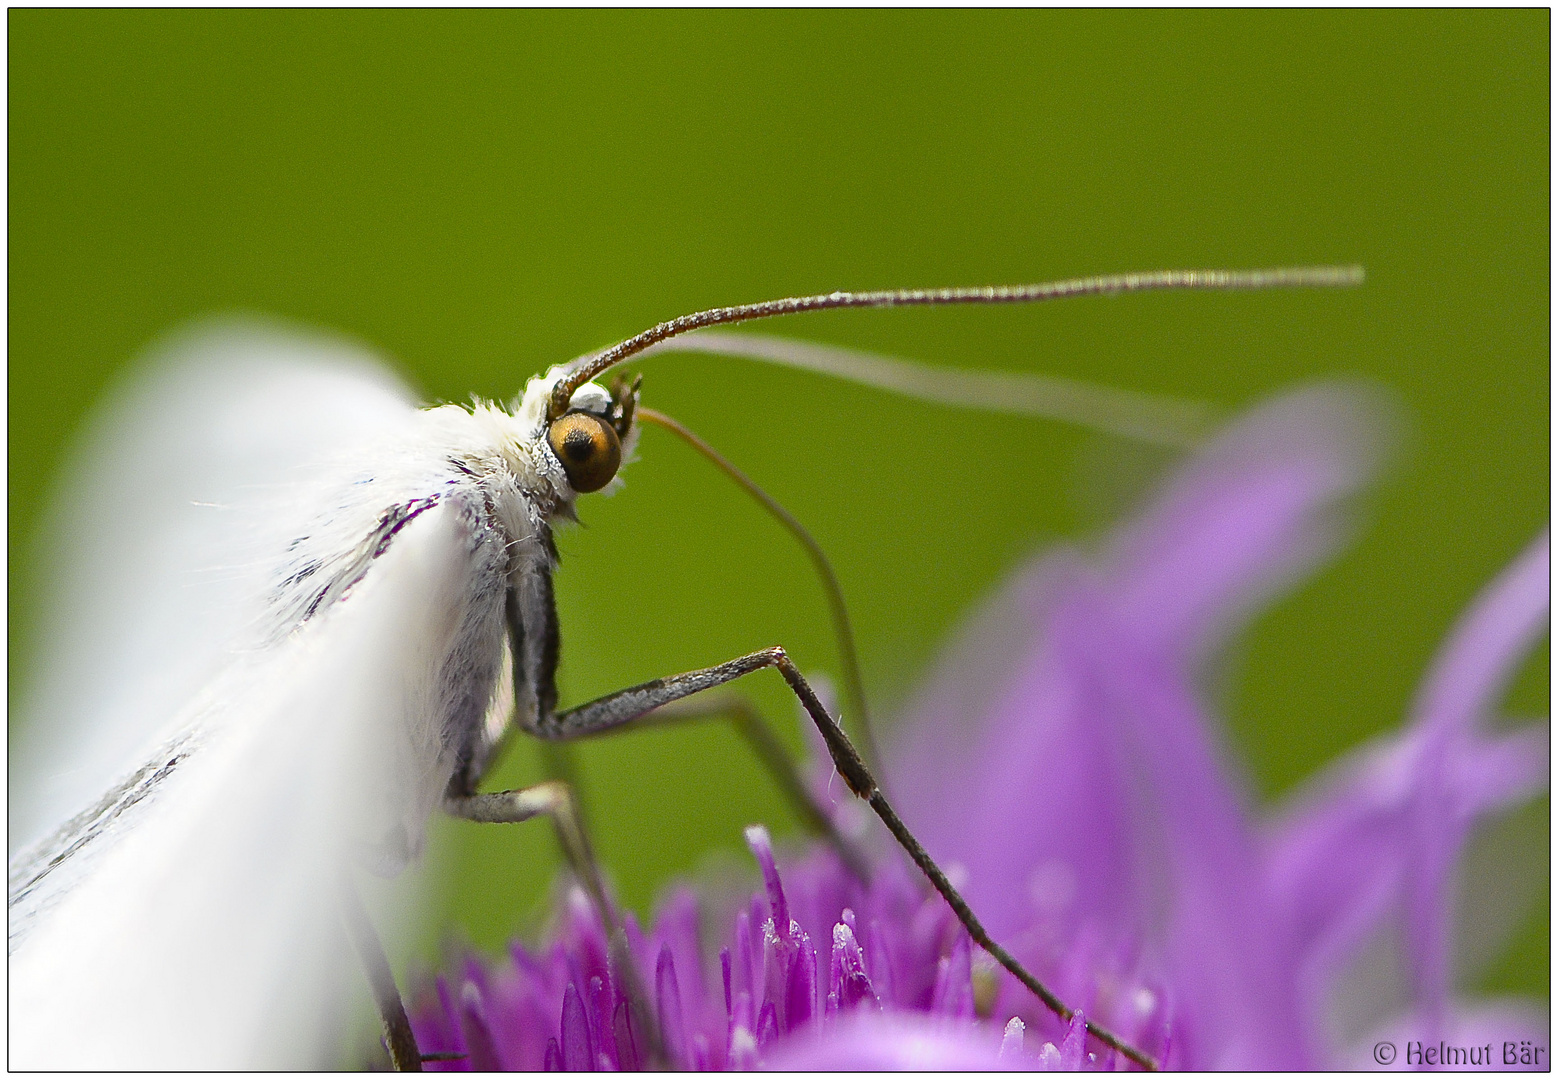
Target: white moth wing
x,y
199,927
155,550
279,593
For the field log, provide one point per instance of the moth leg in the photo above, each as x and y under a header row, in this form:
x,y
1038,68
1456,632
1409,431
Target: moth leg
x,y
625,706
556,799
551,798
398,1036
774,755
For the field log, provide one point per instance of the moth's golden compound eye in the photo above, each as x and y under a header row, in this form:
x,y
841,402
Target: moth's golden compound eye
x,y
588,447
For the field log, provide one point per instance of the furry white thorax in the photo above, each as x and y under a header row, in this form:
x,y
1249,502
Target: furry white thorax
x,y
501,451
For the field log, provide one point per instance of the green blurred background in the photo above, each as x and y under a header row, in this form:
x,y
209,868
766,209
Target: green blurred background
x,y
482,194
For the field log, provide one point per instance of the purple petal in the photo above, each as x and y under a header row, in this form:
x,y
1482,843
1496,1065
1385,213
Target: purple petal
x,y
776,968
668,998
1473,665
879,1042
800,998
746,961
1488,643
483,1056
638,945
763,850
1501,772
1012,1041
1071,1051
724,967
954,994
446,1002
1062,754
625,1038
741,1053
1039,758
741,1041
767,1024
578,1053
880,968
1388,821
677,928
1247,515
437,1029
850,984
601,1001
583,935
1336,855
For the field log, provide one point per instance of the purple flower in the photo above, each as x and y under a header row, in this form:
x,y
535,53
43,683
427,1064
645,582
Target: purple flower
x,y
1064,766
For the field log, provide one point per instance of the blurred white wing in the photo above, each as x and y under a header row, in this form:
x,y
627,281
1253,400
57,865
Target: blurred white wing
x,y
155,551
224,775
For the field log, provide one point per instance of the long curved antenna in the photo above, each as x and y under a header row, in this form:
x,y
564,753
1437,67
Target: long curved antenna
x,y
1152,418
585,369
849,660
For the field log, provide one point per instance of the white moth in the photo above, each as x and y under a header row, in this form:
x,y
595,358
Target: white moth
x,y
288,604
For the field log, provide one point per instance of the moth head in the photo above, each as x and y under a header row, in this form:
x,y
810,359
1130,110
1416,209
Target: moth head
x,y
588,438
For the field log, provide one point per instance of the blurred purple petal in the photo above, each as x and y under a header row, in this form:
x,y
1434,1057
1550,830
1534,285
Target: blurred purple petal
x,y
871,1042
1384,827
1092,746
1501,771
1072,1049
1012,1042
626,1038
483,1055
1253,510
578,1055
1471,667
1485,647
668,1001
